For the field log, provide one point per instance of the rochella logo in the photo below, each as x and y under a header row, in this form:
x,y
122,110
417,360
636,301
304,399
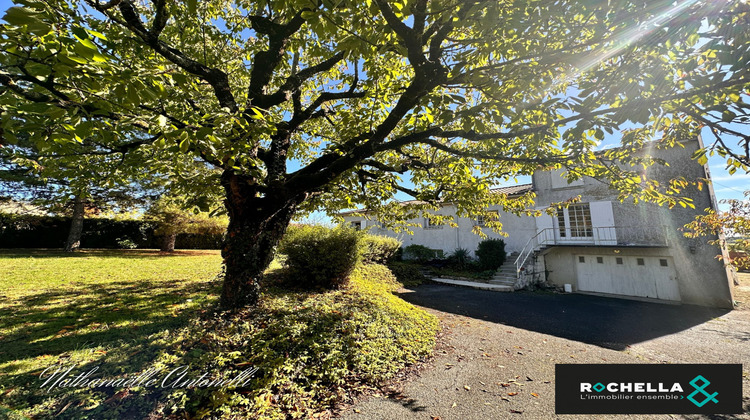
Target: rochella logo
x,y
699,389
699,383
630,387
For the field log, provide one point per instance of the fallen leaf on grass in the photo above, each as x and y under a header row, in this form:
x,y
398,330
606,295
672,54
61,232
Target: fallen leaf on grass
x,y
513,394
467,387
535,394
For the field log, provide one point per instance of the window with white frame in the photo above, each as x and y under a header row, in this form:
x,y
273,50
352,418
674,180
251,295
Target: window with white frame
x,y
580,220
356,225
575,221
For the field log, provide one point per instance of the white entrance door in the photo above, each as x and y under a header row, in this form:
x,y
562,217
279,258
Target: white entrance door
x,y
652,277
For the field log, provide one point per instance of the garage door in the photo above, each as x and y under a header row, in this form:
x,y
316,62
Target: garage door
x,y
651,277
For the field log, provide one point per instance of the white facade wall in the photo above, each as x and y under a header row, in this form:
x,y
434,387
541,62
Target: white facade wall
x,y
448,239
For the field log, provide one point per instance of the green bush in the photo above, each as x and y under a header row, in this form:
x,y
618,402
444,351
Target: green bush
x,y
379,249
419,253
460,258
491,254
318,256
407,274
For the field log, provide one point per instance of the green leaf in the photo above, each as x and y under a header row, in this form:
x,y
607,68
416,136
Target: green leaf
x,y
21,16
87,43
17,15
728,116
184,146
257,115
97,34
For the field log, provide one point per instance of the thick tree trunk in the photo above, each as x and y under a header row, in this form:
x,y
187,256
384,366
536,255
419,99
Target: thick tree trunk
x,y
256,225
76,226
167,242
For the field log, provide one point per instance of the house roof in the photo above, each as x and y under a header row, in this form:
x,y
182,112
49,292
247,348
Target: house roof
x,y
512,190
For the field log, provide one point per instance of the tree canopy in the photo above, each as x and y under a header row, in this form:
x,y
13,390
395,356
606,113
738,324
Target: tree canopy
x,y
328,104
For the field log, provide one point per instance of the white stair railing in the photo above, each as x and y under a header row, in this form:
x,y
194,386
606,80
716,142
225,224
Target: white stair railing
x,y
531,245
625,236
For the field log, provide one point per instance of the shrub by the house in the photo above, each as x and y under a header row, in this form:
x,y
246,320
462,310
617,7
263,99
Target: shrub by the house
x,y
419,253
460,258
379,249
318,256
491,254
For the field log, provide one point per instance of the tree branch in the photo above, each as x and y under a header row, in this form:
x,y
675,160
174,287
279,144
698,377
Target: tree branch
x,y
214,77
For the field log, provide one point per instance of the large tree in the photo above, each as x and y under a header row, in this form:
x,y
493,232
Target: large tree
x,y
307,104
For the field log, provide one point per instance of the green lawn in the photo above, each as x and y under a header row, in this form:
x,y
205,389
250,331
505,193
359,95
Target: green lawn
x,y
123,312
94,307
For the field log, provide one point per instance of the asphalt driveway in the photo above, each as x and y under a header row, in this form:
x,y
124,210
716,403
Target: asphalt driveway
x,y
497,358
605,322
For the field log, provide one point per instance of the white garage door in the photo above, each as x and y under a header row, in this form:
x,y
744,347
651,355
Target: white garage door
x,y
652,277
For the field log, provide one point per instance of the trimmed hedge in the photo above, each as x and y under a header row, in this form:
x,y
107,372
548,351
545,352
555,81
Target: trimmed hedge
x,y
491,254
379,249
31,231
322,257
419,253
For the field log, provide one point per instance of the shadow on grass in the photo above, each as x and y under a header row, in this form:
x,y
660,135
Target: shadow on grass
x,y
606,322
119,328
60,320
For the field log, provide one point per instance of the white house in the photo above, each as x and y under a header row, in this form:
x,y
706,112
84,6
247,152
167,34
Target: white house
x,y
599,245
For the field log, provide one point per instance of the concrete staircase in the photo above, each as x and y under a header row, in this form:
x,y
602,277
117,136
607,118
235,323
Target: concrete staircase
x,y
506,275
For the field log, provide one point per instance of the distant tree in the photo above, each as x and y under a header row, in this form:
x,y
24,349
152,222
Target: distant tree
x,y
732,227
173,218
330,104
77,180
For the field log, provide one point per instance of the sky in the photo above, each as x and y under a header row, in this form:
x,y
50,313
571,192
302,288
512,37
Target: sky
x,y
726,186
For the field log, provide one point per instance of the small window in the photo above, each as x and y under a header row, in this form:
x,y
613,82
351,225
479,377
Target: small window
x,y
356,225
492,215
619,260
428,224
663,262
581,259
641,262
600,260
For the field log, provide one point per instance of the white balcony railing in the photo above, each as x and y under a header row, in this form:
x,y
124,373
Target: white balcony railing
x,y
624,236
